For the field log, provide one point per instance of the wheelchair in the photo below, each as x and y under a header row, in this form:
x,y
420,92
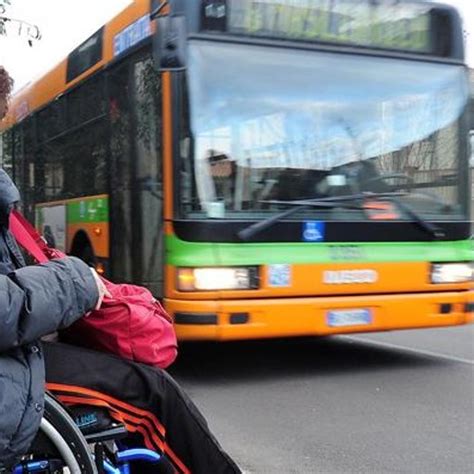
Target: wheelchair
x,y
68,443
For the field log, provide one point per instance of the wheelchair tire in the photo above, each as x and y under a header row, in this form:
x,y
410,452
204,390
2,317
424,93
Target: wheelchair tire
x,y
58,418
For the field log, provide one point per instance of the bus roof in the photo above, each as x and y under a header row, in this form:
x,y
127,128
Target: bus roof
x,y
116,36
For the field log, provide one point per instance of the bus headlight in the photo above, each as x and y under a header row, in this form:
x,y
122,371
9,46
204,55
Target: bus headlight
x,y
452,272
218,278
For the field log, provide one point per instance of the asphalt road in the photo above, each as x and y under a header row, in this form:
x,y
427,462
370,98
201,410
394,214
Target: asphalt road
x,y
372,403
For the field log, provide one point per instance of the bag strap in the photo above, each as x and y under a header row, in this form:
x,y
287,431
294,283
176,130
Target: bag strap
x,y
28,237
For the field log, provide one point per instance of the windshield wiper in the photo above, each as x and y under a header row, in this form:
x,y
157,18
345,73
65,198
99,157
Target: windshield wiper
x,y
339,201
300,205
436,232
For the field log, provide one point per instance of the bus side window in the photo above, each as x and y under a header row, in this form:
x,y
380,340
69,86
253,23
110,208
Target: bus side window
x,y
85,152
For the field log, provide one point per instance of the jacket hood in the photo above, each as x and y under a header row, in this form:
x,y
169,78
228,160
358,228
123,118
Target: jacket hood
x,y
9,195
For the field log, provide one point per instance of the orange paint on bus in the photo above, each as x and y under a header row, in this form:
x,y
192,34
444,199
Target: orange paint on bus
x,y
308,279
290,317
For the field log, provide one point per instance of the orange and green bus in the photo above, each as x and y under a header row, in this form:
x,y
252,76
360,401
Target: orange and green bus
x,y
269,168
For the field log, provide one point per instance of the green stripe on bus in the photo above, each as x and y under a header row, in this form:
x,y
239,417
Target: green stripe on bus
x,y
195,254
88,210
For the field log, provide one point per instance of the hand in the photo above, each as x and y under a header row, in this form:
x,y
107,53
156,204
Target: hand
x,y
103,292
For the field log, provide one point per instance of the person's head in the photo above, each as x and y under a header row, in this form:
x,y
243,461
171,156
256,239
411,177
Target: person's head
x,y
8,192
6,84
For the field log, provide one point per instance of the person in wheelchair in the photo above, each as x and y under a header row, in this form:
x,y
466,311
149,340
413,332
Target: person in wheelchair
x,y
38,300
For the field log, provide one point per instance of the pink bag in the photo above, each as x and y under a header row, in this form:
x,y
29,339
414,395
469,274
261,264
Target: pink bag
x,y
131,324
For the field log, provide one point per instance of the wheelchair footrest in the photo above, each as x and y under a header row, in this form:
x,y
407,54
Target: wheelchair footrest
x,y
138,454
123,459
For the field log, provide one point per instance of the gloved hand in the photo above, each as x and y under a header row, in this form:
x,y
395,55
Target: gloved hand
x,y
103,292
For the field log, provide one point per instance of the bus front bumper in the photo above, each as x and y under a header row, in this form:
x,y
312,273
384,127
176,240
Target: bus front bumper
x,y
317,316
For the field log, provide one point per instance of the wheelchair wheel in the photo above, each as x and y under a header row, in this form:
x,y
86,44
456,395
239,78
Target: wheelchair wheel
x,y
67,439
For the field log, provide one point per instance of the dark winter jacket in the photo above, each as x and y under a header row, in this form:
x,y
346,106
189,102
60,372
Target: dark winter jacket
x,y
34,301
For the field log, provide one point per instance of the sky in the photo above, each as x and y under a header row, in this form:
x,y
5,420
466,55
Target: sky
x,y
66,23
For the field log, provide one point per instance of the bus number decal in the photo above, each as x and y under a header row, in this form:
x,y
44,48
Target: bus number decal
x,y
279,276
346,252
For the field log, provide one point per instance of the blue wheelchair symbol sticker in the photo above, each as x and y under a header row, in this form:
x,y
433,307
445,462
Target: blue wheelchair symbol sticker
x,y
314,231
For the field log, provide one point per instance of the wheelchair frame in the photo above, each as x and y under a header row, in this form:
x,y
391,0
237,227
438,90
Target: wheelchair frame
x,y
65,446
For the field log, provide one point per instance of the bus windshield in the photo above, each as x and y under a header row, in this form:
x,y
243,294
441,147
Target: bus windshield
x,y
272,124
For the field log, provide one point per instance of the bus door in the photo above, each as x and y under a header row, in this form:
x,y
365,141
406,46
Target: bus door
x,y
135,175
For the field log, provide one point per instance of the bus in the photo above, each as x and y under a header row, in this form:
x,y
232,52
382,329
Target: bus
x,y
268,168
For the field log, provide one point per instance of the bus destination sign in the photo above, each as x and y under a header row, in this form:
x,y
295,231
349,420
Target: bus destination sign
x,y
385,24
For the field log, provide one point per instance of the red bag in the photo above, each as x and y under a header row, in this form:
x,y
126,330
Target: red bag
x,y
131,324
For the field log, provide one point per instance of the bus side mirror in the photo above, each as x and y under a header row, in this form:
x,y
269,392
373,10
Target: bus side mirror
x,y
169,43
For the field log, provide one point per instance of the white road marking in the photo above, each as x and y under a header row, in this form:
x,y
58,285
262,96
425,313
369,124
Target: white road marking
x,y
388,345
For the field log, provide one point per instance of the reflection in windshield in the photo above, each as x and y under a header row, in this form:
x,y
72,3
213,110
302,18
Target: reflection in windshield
x,y
272,125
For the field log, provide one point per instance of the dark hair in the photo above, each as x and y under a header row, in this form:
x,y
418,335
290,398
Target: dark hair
x,y
6,84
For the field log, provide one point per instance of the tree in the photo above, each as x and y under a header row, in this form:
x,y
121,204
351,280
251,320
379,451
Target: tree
x,y
3,9
20,27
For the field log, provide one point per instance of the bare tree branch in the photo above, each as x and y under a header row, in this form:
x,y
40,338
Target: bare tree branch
x,y
19,26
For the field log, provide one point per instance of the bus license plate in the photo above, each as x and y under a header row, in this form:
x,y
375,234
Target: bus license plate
x,y
349,317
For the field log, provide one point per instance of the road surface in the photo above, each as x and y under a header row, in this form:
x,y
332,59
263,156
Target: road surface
x,y
371,403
